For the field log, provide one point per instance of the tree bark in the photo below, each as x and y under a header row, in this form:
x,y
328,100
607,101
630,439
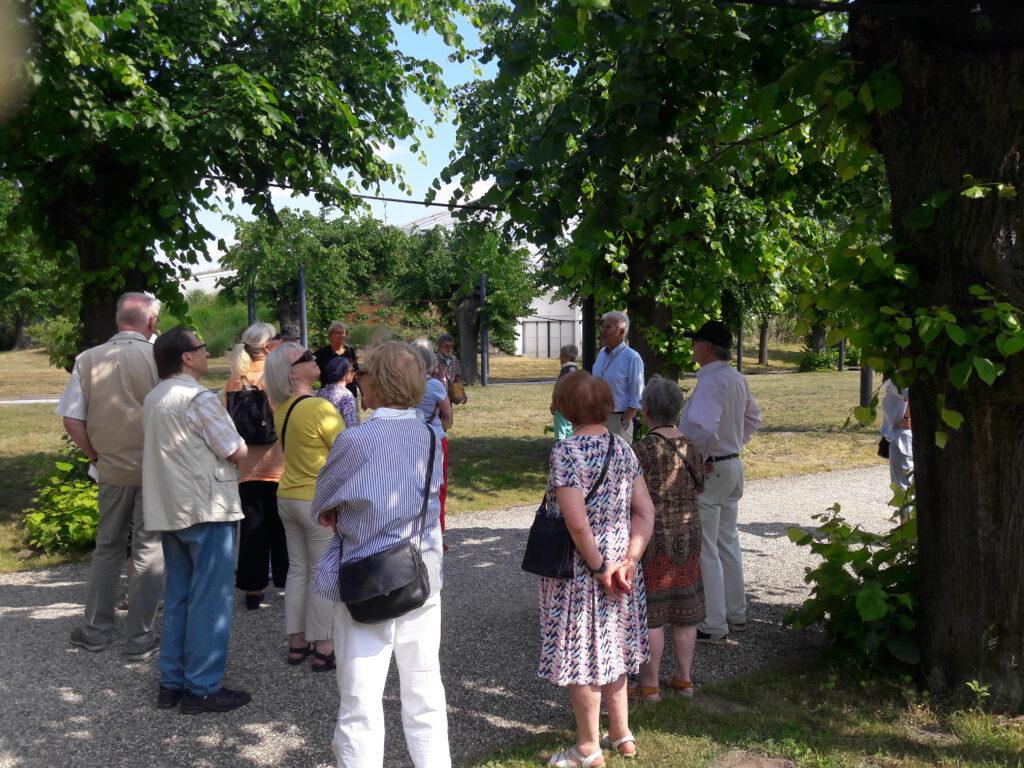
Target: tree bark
x,y
467,318
762,342
649,318
816,337
962,114
21,337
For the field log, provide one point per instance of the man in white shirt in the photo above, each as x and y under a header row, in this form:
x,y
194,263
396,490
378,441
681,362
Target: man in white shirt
x,y
720,417
623,369
897,430
102,410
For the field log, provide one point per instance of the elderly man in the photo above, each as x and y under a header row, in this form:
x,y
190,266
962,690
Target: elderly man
x,y
623,369
102,410
190,489
720,417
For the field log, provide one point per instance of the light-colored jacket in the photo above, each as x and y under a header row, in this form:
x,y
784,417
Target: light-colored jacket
x,y
115,378
184,483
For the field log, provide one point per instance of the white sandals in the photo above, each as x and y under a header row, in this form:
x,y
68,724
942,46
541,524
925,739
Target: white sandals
x,y
571,758
607,743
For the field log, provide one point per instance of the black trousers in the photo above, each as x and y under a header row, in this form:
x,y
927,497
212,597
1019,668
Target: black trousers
x,y
261,538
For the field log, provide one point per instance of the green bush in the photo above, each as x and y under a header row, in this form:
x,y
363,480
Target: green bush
x,y
219,322
65,512
58,336
814,360
865,591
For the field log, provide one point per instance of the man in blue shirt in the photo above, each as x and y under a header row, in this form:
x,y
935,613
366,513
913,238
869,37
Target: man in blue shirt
x,y
623,369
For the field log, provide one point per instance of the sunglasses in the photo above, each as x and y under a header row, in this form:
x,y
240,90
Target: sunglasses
x,y
196,348
305,357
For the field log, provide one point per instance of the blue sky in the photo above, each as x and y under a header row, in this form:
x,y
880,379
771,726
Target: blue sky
x,y
417,176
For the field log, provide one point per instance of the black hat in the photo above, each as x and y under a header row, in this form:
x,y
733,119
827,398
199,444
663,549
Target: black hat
x,y
714,331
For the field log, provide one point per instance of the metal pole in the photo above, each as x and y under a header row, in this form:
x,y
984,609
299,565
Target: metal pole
x,y
842,354
485,346
251,301
589,340
303,337
866,375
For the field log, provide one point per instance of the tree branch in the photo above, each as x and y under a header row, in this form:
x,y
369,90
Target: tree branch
x,y
878,7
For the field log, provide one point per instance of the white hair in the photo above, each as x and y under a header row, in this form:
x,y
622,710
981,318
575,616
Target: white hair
x,y
621,317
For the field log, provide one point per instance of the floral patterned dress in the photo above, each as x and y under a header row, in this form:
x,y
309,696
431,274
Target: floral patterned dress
x,y
587,636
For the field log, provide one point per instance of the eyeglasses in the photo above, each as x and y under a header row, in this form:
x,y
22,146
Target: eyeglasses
x,y
305,357
196,348
361,373
276,337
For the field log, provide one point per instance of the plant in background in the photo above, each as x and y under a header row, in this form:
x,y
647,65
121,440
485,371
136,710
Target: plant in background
x,y
58,336
65,512
865,590
819,359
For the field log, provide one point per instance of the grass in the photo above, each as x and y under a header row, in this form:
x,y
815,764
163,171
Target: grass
x,y
810,716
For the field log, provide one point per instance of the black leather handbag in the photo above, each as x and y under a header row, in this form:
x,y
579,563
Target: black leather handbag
x,y
393,582
549,547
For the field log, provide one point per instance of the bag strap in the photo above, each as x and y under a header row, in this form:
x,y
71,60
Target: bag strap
x,y
430,478
284,427
596,486
686,464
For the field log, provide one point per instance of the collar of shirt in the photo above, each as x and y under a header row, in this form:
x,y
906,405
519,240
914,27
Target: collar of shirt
x,y
395,413
712,367
130,335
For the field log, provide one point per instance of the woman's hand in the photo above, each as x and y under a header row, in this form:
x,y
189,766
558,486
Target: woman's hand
x,y
607,580
624,574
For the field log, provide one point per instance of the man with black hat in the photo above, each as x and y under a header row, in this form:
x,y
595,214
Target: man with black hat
x,y
720,417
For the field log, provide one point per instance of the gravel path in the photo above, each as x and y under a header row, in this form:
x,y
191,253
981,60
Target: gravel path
x,y
63,706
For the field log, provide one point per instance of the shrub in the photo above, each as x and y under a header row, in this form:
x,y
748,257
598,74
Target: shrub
x,y
865,590
219,322
815,360
65,512
58,336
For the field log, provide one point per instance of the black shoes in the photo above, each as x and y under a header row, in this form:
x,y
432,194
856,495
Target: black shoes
x,y
223,700
168,697
253,600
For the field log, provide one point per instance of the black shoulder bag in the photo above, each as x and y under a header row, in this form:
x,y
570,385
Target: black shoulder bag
x,y
550,548
391,583
252,415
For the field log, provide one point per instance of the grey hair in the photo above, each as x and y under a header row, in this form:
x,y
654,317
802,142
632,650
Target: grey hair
x,y
445,337
721,353
424,350
135,309
335,326
621,317
569,350
254,339
277,371
663,400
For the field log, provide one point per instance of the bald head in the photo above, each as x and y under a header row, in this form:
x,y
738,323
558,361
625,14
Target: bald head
x,y
137,312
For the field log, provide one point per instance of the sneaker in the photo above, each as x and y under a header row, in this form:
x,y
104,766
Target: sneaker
x,y
143,655
78,638
223,700
738,627
704,637
169,697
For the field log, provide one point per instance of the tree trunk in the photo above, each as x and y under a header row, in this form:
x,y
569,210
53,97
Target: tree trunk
x,y
649,319
962,114
816,337
762,342
467,318
21,337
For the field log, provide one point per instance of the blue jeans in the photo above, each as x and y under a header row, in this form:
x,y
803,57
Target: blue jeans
x,y
200,563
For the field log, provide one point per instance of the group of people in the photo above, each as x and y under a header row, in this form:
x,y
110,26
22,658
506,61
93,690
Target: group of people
x,y
207,510
656,543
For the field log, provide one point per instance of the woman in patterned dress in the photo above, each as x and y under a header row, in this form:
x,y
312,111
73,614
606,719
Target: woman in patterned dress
x,y
674,472
594,625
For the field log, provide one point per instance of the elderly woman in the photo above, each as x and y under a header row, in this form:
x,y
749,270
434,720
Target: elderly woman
x,y
336,377
306,428
437,412
337,346
261,535
674,471
594,624
371,492
445,367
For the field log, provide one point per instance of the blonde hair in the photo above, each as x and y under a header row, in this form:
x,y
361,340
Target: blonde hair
x,y
398,373
277,372
254,339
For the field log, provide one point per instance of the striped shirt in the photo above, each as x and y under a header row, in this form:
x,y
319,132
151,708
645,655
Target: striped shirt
x,y
374,478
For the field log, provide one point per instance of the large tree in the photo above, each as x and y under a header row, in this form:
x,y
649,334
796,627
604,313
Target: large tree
x,y
141,114
637,124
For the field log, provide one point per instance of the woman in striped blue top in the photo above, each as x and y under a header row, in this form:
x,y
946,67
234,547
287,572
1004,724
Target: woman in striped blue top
x,y
371,492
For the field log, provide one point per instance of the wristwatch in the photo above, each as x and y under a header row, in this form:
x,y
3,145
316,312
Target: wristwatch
x,y
600,570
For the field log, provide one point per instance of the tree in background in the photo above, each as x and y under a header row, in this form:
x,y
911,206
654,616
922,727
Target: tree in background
x,y
30,290
634,120
140,115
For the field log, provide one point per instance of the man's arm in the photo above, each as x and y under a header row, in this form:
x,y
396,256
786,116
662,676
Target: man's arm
x,y
751,418
76,431
634,388
208,419
700,418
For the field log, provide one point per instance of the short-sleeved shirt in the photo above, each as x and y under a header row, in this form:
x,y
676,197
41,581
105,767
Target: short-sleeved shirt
x,y
313,425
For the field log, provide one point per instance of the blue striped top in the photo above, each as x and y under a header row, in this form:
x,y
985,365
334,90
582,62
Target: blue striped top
x,y
374,477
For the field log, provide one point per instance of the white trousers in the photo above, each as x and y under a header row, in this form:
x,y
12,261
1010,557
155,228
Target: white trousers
x,y
721,561
307,540
364,656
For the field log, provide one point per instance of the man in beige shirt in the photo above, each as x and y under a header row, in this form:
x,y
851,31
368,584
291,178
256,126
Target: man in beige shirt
x,y
102,410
